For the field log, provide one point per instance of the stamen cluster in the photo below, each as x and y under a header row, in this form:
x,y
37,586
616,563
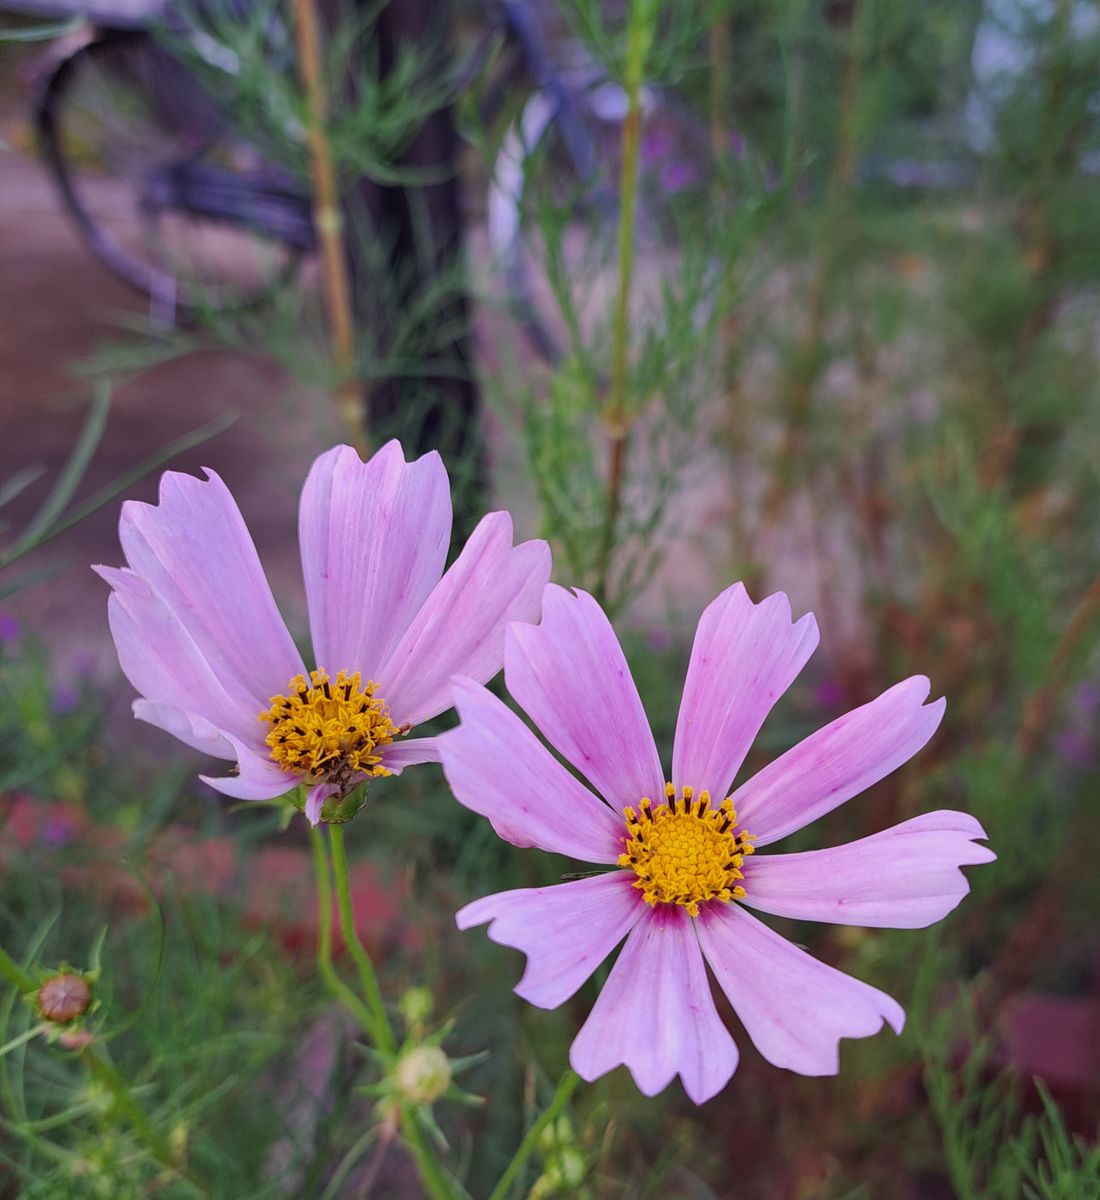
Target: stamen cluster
x,y
329,730
685,852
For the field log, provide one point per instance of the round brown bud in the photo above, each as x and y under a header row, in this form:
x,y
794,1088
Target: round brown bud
x,y
64,998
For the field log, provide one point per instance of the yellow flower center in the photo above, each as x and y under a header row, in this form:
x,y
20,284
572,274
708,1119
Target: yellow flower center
x,y
684,851
330,730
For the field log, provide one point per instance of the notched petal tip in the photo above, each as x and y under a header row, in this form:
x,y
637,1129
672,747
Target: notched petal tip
x,y
556,603
916,683
772,601
328,461
107,573
430,460
915,690
564,931
777,600
894,1015
744,656
477,912
173,484
559,595
795,1008
122,580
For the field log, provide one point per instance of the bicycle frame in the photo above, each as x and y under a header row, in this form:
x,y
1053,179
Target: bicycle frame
x,y
267,202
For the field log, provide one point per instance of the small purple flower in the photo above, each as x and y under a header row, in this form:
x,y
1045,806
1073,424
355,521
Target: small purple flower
x,y
64,699
676,176
56,830
10,628
658,639
1075,746
682,868
829,694
1086,698
656,146
199,636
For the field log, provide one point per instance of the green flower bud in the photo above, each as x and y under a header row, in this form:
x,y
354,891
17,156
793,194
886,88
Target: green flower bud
x,y
558,1133
416,1005
423,1075
572,1165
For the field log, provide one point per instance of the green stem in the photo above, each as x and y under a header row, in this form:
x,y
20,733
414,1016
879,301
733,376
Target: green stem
x,y
102,1070
384,1037
566,1086
377,1022
324,940
639,38
10,968
432,1175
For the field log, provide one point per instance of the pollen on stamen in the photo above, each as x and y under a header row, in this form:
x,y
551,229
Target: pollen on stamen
x,y
685,852
330,730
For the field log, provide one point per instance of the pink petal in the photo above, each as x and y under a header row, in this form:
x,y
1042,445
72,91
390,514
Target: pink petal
x,y
460,629
570,676
566,930
509,833
795,1008
410,752
374,538
163,662
744,658
906,877
497,768
315,801
258,778
192,730
655,1014
838,762
194,551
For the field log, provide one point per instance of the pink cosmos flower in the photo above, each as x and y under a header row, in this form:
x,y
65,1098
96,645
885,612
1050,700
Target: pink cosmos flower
x,y
199,636
688,872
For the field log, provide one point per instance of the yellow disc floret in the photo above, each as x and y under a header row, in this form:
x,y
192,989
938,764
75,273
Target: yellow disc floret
x,y
684,851
330,730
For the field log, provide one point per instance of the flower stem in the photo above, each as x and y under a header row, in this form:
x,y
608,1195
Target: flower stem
x,y
384,1038
432,1175
615,414
324,940
719,39
329,221
101,1070
566,1086
372,1016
